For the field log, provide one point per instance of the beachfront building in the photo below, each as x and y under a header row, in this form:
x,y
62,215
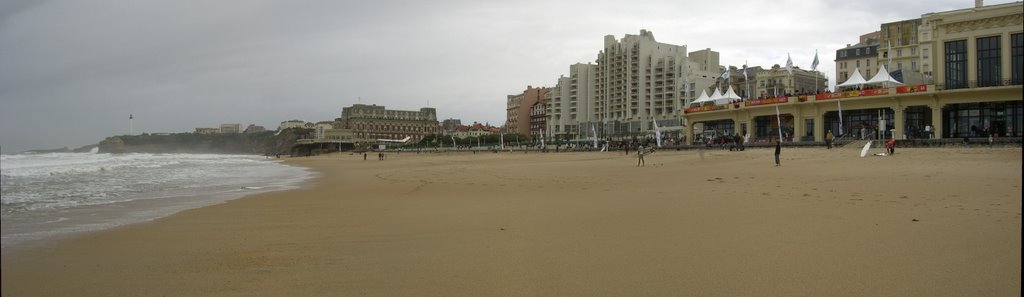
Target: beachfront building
x,y
899,51
538,120
448,126
475,130
291,124
517,109
230,128
778,81
861,57
570,104
704,72
371,122
638,80
975,57
207,130
253,128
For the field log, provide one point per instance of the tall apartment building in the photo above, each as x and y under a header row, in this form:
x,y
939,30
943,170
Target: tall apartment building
x,y
638,79
570,104
702,73
517,109
898,49
371,122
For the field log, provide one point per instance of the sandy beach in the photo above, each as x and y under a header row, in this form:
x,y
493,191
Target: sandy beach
x,y
925,222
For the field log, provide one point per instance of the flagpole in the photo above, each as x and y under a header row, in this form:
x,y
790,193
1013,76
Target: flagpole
x,y
840,116
779,117
814,67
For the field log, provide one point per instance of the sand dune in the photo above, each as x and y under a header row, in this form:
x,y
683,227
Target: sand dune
x,y
925,222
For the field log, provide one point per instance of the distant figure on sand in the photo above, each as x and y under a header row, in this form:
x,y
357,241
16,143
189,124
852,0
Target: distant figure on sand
x,y
640,156
891,146
829,138
778,150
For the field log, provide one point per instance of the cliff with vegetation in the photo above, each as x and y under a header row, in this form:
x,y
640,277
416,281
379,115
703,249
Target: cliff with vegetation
x,y
233,143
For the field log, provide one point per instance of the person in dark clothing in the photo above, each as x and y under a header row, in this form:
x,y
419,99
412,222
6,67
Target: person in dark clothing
x,y
778,150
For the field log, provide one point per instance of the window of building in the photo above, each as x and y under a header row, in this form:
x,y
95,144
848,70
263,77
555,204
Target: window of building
x,y
913,51
956,64
989,61
1017,58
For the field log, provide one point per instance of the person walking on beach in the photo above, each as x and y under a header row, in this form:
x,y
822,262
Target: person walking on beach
x,y
778,150
640,156
829,138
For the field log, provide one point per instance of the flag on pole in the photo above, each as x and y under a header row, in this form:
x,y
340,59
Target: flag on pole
x,y
593,134
814,64
542,138
779,117
725,75
657,132
789,64
502,140
744,70
840,104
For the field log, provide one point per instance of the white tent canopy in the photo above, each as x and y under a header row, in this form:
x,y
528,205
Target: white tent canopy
x,y
702,98
717,95
855,80
729,96
884,78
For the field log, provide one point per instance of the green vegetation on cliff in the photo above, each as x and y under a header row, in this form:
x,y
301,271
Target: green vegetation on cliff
x,y
234,143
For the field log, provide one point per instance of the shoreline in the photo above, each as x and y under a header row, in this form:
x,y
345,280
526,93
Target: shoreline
x,y
28,229
925,222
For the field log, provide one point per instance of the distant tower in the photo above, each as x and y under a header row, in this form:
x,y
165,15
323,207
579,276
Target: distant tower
x,y
130,128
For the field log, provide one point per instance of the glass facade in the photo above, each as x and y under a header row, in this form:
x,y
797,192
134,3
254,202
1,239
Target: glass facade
x,y
1017,58
915,119
1001,119
860,124
956,64
989,61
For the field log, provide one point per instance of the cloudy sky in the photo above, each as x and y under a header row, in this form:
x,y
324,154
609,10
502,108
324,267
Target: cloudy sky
x,y
71,71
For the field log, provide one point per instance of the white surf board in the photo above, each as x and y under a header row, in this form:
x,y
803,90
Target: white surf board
x,y
864,151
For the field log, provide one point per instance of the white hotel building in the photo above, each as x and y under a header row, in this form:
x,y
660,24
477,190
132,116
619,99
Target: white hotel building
x,y
635,80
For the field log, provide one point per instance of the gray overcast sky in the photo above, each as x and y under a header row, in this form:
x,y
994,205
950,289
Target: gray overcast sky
x,y
72,71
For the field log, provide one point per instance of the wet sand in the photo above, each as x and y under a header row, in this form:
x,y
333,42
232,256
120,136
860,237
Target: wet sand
x,y
925,222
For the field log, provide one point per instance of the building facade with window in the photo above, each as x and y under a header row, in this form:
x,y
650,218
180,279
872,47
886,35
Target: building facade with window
x,y
368,123
517,109
861,57
570,104
975,60
637,80
899,50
